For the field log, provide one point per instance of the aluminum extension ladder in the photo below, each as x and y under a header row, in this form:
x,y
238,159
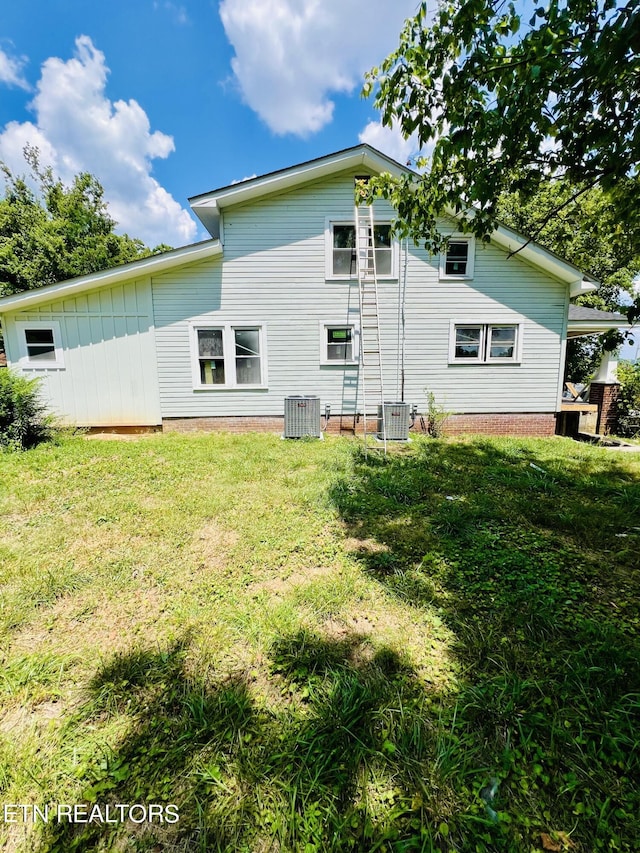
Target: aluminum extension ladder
x,y
370,349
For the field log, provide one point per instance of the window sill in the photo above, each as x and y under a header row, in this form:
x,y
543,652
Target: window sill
x,y
455,277
32,365
354,278
230,388
491,363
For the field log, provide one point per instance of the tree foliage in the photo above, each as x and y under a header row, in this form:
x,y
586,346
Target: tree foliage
x,y
587,230
55,232
507,103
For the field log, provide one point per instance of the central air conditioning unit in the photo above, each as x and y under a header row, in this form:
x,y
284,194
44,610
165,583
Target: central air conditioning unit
x,y
302,417
396,421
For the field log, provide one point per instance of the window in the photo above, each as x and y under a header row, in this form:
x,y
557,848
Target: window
x,y
40,345
342,260
457,260
227,356
483,343
339,343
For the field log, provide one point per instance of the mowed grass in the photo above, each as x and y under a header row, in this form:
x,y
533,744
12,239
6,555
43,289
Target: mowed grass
x,y
304,649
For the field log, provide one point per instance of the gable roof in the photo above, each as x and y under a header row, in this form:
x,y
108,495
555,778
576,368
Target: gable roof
x,y
208,206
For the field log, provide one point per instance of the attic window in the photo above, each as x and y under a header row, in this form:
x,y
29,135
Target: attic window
x,y
40,345
457,260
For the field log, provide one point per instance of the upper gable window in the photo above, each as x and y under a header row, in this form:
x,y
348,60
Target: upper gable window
x,y
40,345
457,260
342,257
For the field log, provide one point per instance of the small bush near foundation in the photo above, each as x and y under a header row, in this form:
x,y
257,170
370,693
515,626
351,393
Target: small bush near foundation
x,y
437,417
23,418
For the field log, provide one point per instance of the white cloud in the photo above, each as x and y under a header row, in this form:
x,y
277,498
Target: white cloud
x,y
77,128
11,70
390,141
292,55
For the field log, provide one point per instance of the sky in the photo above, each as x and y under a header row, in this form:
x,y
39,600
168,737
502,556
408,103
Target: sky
x,y
162,99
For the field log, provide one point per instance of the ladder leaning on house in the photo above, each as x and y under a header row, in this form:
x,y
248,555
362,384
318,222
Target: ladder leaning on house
x,y
370,349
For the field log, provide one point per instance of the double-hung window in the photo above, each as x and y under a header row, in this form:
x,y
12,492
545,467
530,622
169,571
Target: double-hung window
x,y
483,343
342,257
228,356
457,260
40,345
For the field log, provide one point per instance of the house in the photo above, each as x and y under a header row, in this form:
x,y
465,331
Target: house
x,y
218,334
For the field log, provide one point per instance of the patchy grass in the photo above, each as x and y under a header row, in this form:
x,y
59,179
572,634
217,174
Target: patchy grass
x,y
304,649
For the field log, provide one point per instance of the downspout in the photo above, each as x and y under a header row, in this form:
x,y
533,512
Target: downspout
x,y
403,317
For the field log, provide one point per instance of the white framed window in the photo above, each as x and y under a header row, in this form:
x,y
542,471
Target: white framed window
x,y
485,343
339,343
40,345
228,355
341,250
457,261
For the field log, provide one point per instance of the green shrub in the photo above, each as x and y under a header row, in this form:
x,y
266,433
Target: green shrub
x,y
629,400
437,417
23,418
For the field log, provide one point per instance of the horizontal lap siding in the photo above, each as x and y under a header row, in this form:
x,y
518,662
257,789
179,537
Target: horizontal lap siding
x,y
503,290
109,375
273,273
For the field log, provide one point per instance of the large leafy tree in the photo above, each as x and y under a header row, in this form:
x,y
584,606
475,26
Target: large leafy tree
x,y
506,103
588,231
50,232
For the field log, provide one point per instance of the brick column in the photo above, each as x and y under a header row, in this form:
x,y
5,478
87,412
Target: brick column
x,y
605,396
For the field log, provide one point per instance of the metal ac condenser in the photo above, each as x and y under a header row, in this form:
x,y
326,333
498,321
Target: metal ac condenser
x,y
302,417
396,421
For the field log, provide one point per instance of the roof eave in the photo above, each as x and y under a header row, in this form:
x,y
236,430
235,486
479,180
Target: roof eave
x,y
207,207
580,329
151,265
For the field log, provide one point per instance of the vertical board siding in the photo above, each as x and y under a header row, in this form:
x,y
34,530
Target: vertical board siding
x,y
273,273
110,374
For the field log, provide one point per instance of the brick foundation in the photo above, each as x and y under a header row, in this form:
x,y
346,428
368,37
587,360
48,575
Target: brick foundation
x,y
605,396
533,424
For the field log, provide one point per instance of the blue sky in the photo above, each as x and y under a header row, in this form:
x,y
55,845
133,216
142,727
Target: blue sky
x,y
163,99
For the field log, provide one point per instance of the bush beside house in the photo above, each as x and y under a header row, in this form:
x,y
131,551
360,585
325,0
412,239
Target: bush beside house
x,y
23,418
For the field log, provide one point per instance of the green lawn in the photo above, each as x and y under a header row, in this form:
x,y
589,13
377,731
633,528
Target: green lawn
x,y
306,650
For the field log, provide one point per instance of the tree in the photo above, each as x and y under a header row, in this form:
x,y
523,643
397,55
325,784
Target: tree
x,y
507,104
57,232
587,230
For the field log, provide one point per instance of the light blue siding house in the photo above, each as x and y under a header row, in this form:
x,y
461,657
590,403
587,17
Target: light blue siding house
x,y
218,334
